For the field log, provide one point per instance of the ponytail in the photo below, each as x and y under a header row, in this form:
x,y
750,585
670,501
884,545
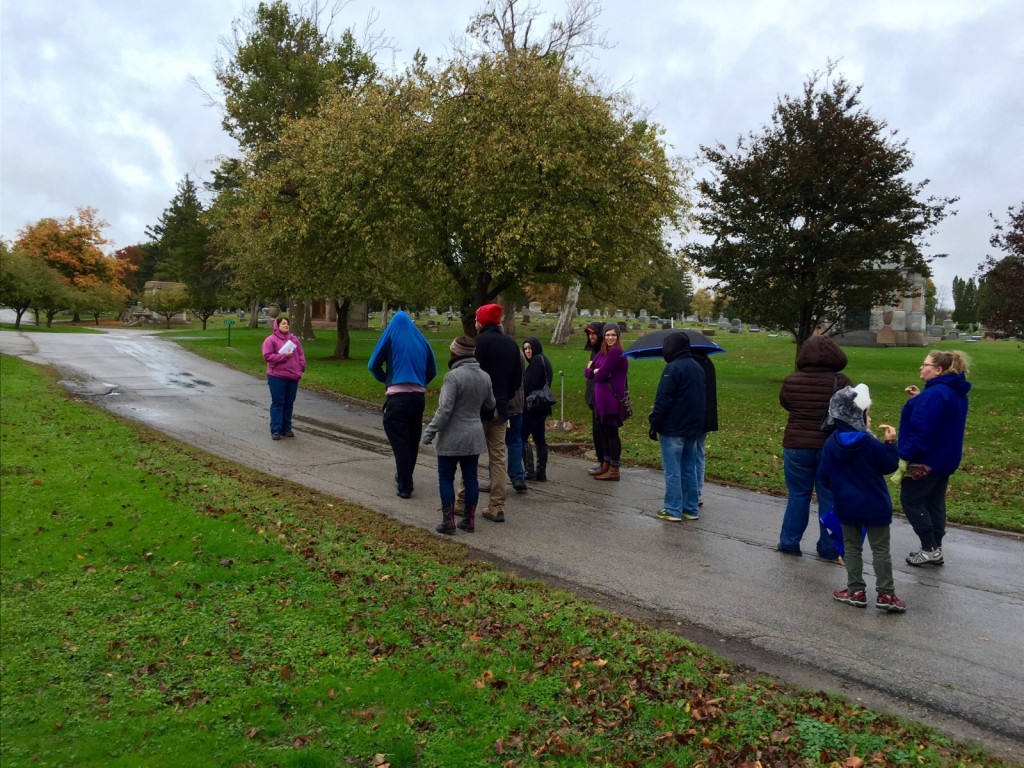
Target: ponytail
x,y
951,362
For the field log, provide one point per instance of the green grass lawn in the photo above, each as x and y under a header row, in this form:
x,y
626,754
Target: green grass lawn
x,y
747,452
161,607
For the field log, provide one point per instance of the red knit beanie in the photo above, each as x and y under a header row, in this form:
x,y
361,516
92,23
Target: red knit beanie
x,y
489,314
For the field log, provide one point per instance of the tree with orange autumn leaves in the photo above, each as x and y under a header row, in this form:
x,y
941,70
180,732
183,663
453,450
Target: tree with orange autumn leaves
x,y
74,248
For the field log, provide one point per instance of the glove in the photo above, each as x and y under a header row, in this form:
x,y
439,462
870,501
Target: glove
x,y
652,433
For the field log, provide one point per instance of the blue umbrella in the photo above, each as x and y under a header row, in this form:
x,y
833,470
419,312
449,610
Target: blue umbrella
x,y
650,345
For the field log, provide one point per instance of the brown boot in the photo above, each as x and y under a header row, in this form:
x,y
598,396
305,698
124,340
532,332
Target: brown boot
x,y
600,470
611,474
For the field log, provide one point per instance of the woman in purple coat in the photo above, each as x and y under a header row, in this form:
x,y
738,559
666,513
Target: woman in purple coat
x,y
286,363
608,372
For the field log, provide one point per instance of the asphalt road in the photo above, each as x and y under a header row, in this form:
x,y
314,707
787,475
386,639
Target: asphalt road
x,y
954,660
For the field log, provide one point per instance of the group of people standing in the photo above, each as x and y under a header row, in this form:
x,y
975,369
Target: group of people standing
x,y
496,398
828,449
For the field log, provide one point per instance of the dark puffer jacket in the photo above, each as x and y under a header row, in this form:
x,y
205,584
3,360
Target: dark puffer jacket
x,y
805,393
593,349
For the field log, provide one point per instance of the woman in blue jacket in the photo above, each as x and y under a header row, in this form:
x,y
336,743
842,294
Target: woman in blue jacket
x,y
931,440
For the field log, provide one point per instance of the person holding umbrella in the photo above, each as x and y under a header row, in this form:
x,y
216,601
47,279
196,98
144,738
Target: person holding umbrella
x,y
677,423
608,371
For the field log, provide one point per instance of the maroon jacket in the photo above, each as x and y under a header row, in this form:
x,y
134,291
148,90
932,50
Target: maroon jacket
x,y
805,393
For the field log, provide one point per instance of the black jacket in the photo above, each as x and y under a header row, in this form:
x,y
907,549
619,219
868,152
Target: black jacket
x,y
538,371
593,349
500,359
679,404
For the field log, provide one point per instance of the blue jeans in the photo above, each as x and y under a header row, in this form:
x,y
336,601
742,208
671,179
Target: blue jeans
x,y
801,468
701,463
446,466
514,449
282,399
679,459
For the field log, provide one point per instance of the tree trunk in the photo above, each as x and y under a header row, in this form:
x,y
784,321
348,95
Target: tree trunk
x,y
563,328
254,313
341,347
385,315
508,317
300,312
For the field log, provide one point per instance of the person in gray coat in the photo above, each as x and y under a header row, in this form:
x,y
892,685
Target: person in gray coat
x,y
459,432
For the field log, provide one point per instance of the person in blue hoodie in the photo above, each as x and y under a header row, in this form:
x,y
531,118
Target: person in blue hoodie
x,y
853,466
931,441
404,362
677,423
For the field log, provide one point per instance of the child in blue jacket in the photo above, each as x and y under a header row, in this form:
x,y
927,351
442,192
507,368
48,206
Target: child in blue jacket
x,y
853,466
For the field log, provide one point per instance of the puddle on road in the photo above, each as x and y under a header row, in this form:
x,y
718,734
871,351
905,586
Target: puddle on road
x,y
89,388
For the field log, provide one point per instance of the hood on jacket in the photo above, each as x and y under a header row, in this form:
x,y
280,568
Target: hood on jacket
x,y
956,381
535,345
675,345
850,440
399,322
821,353
597,328
277,327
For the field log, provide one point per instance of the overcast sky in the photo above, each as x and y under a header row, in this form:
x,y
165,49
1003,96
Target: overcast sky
x,y
97,108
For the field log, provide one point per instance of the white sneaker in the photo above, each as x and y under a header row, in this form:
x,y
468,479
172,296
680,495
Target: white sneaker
x,y
924,557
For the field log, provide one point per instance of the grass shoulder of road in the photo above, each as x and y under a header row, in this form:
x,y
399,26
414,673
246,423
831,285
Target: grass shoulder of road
x,y
160,606
747,450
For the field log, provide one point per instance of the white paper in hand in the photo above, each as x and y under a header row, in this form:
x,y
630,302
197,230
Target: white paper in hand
x,y
287,347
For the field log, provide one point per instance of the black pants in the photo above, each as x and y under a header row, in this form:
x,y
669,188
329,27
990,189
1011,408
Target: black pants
x,y
924,504
403,424
598,433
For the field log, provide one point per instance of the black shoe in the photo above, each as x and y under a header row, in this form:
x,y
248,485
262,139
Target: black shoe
x,y
275,436
289,433
520,487
404,494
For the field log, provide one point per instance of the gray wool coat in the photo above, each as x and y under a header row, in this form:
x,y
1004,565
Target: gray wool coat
x,y
456,424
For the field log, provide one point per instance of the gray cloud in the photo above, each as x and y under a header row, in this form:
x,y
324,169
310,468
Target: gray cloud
x,y
96,107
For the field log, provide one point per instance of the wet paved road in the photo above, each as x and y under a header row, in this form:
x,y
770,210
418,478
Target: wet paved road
x,y
955,659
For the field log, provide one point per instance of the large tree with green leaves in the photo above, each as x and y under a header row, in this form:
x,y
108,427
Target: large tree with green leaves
x,y
280,66
965,300
183,250
516,167
27,282
814,216
1001,295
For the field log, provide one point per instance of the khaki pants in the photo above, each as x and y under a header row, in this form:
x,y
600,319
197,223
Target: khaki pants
x,y
494,431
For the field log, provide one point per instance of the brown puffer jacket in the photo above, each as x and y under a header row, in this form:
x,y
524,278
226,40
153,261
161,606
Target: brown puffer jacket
x,y
805,393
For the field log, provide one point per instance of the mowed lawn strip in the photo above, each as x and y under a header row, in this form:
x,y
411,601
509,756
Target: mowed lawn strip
x,y
986,491
161,607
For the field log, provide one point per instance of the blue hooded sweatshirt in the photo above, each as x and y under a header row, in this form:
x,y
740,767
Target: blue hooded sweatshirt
x,y
403,355
933,423
853,466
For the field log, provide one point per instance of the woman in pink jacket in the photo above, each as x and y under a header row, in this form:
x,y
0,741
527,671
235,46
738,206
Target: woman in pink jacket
x,y
285,365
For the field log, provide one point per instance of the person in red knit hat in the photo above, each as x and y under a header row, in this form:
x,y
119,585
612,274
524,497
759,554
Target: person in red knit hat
x,y
499,357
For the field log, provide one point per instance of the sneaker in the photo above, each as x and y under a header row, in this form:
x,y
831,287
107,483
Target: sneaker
x,y
924,557
663,514
700,502
494,517
856,599
691,516
889,603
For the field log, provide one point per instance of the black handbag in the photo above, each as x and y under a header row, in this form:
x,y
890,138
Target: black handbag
x,y
540,399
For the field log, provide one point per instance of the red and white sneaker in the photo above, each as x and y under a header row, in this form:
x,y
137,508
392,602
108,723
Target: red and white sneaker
x,y
856,599
889,603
